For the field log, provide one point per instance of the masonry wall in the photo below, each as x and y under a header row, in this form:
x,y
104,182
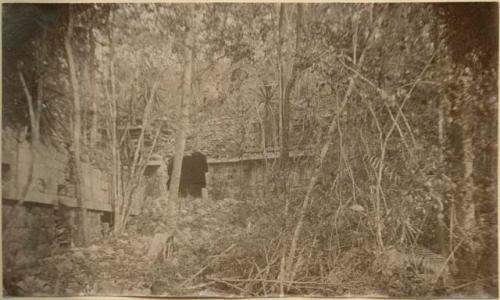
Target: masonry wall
x,y
33,222
253,173
32,229
246,179
50,182
224,180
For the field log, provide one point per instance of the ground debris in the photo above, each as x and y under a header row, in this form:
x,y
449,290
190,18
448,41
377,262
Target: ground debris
x,y
143,260
157,246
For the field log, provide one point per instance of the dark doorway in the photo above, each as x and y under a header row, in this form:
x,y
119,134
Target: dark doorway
x,y
193,172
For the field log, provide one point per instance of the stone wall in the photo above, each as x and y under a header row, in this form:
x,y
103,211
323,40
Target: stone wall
x,y
32,229
253,172
224,180
33,222
50,182
243,179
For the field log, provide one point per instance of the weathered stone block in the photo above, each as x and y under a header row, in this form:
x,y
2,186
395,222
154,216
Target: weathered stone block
x,y
12,246
20,234
204,194
19,217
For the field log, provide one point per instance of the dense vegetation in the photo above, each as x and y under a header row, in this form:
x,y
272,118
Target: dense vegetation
x,y
398,103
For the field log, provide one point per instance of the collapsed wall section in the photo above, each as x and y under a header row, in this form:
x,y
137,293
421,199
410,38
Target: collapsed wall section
x,y
33,223
34,230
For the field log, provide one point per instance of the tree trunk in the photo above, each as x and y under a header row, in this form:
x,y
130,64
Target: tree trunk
x,y
466,211
34,123
441,226
115,173
139,162
180,139
285,94
76,133
468,205
84,79
137,181
282,276
286,88
289,263
115,168
93,94
283,116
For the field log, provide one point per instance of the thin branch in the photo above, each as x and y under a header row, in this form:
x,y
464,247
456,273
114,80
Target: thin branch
x,y
271,281
138,180
383,94
329,141
145,119
27,93
214,258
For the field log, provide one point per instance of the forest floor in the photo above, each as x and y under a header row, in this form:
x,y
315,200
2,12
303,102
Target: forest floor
x,y
119,265
213,241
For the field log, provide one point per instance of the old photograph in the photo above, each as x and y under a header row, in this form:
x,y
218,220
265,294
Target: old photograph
x,y
250,149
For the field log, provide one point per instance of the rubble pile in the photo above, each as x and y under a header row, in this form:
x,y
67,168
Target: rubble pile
x,y
120,265
110,267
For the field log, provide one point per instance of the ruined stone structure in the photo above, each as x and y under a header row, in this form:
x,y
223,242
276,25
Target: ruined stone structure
x,y
235,158
234,166
245,177
33,223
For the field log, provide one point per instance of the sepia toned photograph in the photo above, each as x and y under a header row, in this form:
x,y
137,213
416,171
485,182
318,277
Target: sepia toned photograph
x,y
250,149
